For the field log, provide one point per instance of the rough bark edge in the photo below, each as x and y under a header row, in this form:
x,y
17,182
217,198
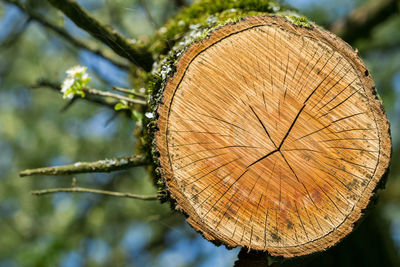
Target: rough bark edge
x,y
202,24
176,33
199,14
192,24
385,142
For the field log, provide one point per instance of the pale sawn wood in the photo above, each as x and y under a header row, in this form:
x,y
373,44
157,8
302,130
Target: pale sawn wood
x,y
271,137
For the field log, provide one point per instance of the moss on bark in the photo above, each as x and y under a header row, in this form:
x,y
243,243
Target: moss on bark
x,y
192,24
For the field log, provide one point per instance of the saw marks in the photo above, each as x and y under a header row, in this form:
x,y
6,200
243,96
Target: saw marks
x,y
271,138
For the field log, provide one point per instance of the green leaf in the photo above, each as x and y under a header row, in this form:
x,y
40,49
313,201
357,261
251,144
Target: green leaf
x,y
120,106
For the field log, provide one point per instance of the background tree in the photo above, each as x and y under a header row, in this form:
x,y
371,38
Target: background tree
x,y
37,41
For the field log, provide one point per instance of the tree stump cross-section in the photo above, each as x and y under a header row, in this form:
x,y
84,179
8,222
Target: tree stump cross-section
x,y
271,137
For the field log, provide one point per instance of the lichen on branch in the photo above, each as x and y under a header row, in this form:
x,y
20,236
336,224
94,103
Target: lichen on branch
x,y
106,165
193,24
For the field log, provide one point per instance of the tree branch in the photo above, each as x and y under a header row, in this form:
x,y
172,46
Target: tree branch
x,y
180,3
15,35
108,55
128,91
106,165
92,95
116,96
148,14
362,20
91,98
92,191
118,43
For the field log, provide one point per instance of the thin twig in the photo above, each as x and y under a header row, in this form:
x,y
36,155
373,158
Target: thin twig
x,y
116,96
127,91
16,34
92,191
91,98
106,54
92,95
118,43
68,105
106,165
148,14
112,117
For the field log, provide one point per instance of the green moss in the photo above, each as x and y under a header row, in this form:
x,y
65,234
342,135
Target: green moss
x,y
171,41
299,21
200,11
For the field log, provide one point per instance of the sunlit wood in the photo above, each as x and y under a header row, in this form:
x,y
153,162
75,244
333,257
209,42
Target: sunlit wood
x,y
271,137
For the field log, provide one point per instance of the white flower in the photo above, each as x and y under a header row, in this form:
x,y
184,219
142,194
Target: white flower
x,y
67,84
75,70
75,82
68,96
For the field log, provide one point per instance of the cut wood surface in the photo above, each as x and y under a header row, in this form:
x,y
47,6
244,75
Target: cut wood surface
x,y
271,137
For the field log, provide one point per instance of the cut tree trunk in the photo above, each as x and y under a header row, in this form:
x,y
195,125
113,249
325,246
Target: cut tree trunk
x,y
271,136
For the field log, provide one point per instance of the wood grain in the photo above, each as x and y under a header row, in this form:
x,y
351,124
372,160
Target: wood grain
x,y
271,137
